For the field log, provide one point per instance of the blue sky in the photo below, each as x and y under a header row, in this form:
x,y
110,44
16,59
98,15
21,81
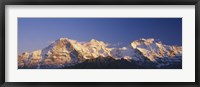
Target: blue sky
x,y
37,33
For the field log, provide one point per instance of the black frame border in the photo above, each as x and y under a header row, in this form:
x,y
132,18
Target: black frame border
x,y
3,3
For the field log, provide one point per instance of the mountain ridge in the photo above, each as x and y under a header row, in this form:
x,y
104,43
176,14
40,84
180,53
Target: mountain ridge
x,y
65,52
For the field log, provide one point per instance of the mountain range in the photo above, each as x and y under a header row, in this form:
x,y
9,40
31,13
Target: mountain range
x,y
66,53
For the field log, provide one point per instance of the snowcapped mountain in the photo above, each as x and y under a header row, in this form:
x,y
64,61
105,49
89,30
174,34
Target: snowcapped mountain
x,y
65,53
152,49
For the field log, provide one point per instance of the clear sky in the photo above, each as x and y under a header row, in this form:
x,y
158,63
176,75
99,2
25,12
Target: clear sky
x,y
37,33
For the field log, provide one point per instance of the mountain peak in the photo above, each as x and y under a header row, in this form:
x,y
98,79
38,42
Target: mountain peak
x,y
93,40
149,40
96,41
142,41
63,39
155,49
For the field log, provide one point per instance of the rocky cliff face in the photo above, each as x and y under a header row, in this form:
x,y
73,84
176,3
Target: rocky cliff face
x,y
65,53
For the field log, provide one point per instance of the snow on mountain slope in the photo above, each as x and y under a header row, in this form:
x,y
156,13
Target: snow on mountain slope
x,y
152,49
67,52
